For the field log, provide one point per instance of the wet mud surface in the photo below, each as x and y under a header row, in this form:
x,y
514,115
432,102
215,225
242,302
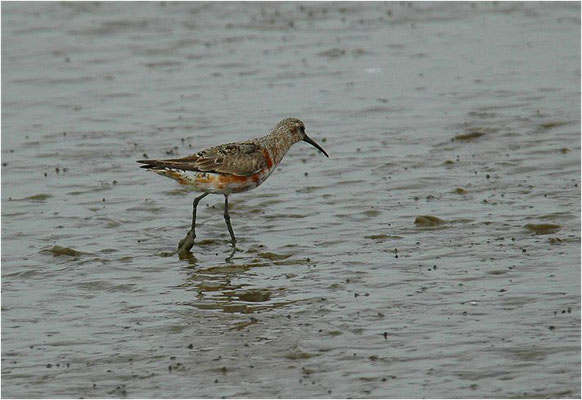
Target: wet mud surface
x,y
436,253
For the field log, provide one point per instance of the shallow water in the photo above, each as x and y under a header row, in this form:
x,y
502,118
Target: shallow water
x,y
420,260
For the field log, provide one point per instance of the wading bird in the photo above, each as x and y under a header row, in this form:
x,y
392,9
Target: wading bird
x,y
231,168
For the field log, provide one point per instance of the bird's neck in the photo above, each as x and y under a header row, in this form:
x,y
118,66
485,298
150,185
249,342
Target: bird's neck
x,y
277,145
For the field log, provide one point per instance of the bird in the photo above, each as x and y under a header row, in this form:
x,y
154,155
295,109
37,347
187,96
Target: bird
x,y
231,168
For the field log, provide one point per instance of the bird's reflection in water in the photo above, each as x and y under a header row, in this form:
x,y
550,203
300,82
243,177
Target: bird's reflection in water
x,y
231,286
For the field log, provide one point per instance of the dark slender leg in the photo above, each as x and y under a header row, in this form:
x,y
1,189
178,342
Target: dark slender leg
x,y
227,219
194,205
186,244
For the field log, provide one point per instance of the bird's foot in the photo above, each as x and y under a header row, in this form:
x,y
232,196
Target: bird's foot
x,y
186,244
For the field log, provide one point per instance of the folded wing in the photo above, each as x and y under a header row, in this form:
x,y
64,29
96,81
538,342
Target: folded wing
x,y
240,159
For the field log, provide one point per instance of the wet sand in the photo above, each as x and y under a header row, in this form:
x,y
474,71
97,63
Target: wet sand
x,y
436,253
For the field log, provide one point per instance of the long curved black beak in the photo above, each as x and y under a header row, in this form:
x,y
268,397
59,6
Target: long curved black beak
x,y
314,144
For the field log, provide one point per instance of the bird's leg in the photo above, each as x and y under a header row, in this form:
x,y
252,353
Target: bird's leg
x,y
186,244
194,205
227,219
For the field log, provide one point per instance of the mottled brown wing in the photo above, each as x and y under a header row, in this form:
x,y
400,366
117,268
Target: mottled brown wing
x,y
240,159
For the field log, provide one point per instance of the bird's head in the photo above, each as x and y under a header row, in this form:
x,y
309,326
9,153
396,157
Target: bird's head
x,y
294,129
